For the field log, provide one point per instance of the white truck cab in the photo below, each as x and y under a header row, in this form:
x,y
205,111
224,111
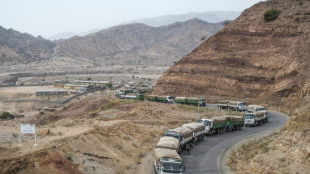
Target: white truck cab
x,y
241,106
254,119
208,124
167,161
169,99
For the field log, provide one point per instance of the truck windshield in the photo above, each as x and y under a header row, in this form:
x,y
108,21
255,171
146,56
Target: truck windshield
x,y
241,104
172,134
261,109
170,97
206,123
171,167
248,116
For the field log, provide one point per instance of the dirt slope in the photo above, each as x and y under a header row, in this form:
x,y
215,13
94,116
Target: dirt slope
x,y
249,58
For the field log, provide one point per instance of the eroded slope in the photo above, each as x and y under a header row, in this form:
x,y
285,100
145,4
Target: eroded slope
x,y
249,58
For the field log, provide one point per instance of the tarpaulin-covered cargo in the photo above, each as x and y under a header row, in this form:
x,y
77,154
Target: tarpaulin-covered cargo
x,y
218,120
168,143
196,127
185,131
160,153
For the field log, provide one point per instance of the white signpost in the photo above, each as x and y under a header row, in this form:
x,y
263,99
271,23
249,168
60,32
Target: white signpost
x,y
28,129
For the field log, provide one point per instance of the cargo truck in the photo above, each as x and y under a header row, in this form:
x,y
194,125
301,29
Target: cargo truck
x,y
254,119
183,134
167,161
163,99
190,101
151,97
213,125
236,122
198,130
122,95
232,105
257,108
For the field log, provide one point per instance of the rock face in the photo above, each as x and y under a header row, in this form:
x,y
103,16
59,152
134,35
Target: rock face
x,y
249,58
140,41
16,47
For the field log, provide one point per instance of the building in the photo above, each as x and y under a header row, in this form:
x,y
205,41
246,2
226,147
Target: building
x,y
52,92
75,87
92,83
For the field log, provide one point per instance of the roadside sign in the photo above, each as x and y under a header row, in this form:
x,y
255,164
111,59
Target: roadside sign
x,y
27,129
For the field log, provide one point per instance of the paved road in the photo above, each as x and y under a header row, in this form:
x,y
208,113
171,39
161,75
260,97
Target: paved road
x,y
203,158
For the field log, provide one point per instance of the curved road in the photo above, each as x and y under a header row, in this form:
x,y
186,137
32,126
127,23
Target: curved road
x,y
203,158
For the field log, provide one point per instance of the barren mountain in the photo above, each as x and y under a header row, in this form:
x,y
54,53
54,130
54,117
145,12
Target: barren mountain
x,y
140,42
22,47
249,58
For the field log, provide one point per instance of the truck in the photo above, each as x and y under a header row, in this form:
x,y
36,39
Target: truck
x,y
254,119
123,95
191,101
213,125
167,161
127,91
151,98
183,134
168,143
198,130
163,99
236,122
257,108
232,105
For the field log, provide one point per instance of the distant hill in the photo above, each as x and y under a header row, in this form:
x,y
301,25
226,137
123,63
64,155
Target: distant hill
x,y
211,17
16,47
140,42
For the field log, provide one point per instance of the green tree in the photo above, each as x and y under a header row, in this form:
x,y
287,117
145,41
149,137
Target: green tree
x,y
271,14
109,85
6,115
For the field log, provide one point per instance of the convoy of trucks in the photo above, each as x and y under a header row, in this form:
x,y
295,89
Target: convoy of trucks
x,y
165,156
127,94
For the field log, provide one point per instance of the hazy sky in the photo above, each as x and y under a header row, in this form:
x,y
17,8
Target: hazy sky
x,y
50,17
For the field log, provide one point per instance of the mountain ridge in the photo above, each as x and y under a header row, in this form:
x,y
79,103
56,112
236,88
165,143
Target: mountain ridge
x,y
210,17
140,41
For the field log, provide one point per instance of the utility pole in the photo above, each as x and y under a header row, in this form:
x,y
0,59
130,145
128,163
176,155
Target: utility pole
x,y
198,108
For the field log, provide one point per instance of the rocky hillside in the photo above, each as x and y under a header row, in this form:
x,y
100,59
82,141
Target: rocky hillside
x,y
249,58
16,47
140,42
260,62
